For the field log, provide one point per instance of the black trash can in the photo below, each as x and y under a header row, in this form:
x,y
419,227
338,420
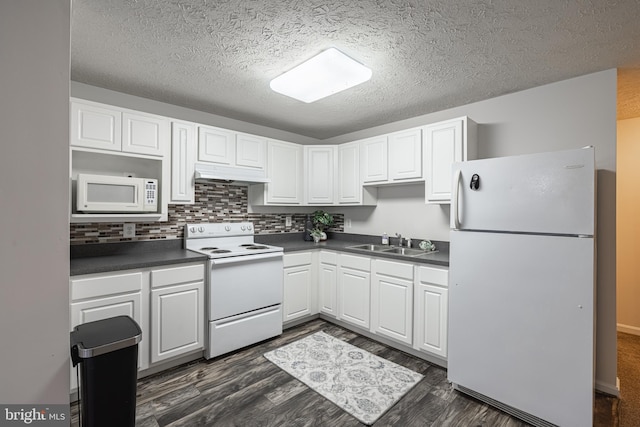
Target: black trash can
x,y
107,351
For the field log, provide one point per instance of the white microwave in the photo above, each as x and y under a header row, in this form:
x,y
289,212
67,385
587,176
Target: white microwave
x,y
105,193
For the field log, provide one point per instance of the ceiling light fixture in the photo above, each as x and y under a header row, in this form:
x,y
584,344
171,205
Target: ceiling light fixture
x,y
329,72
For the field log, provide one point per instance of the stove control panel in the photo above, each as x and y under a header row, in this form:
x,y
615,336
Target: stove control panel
x,y
193,231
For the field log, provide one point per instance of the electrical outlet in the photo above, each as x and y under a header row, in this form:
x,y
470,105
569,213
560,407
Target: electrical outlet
x,y
129,230
287,221
347,223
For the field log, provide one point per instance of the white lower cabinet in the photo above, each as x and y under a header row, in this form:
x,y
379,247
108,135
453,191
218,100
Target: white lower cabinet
x,y
177,311
299,286
167,303
328,283
392,299
354,289
101,296
430,304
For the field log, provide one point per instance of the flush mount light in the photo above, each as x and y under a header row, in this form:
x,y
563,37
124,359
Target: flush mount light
x,y
329,72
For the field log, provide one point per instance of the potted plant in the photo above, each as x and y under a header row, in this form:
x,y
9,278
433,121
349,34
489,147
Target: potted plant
x,y
321,221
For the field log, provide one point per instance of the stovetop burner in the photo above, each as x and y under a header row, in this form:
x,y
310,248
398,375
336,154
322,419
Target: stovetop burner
x,y
224,240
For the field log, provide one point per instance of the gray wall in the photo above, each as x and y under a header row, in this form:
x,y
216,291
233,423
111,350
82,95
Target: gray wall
x,y
568,114
34,189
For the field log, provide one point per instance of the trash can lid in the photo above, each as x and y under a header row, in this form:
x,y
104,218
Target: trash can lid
x,y
105,336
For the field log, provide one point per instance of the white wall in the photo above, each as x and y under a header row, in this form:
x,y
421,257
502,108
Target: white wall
x,y
568,114
628,214
34,168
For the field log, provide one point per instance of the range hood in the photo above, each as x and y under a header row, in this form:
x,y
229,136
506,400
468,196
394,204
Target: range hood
x,y
230,174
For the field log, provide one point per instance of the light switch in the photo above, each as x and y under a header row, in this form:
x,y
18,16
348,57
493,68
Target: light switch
x,y
287,221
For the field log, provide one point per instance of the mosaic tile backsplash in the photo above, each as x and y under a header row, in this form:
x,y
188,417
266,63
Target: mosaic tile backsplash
x,y
214,202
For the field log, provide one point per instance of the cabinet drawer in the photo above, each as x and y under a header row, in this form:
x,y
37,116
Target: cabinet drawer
x,y
105,285
328,257
355,262
396,269
292,260
437,276
177,275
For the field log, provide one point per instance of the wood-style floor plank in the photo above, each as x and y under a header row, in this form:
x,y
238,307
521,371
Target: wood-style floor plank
x,y
245,389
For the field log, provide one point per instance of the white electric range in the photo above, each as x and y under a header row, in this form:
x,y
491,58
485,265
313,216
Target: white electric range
x,y
244,285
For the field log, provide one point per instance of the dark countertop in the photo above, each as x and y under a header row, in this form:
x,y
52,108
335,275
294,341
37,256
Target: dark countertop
x,y
293,242
105,257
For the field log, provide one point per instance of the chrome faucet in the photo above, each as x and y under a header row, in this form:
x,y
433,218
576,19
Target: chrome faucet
x,y
399,236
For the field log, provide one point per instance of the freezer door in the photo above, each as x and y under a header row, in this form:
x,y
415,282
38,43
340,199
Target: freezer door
x,y
521,322
549,193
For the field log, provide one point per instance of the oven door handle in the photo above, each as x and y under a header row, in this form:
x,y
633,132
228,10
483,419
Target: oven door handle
x,y
245,258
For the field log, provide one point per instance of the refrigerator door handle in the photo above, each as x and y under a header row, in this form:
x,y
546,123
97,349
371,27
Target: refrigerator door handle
x,y
455,217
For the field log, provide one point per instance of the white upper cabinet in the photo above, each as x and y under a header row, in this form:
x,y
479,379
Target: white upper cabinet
x,y
229,148
183,158
349,185
96,126
250,151
144,134
446,142
216,145
405,155
111,128
320,166
284,169
374,159
392,158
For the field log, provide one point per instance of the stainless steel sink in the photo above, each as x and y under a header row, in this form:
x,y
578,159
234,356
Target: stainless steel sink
x,y
403,251
370,247
393,250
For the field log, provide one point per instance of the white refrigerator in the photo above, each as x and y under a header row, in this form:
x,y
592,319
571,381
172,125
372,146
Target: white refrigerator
x,y
522,285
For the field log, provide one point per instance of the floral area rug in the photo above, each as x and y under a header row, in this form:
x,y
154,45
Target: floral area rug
x,y
361,383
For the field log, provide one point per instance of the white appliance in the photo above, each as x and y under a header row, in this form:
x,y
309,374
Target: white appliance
x,y
106,193
521,307
244,285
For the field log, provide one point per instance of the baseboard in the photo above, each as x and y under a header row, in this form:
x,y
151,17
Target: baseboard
x,y
613,390
633,330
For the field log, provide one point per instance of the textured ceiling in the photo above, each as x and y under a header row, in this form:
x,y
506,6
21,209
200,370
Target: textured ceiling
x,y
219,56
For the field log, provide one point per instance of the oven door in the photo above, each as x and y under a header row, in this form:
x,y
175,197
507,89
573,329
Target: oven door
x,y
244,283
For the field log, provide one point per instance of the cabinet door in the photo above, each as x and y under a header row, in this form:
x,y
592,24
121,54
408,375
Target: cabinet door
x,y
177,320
183,159
328,287
216,145
297,298
392,302
143,134
374,161
405,155
96,127
431,304
250,151
319,179
349,185
443,147
354,296
104,308
284,168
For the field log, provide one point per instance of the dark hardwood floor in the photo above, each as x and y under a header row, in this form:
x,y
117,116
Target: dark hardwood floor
x,y
245,389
